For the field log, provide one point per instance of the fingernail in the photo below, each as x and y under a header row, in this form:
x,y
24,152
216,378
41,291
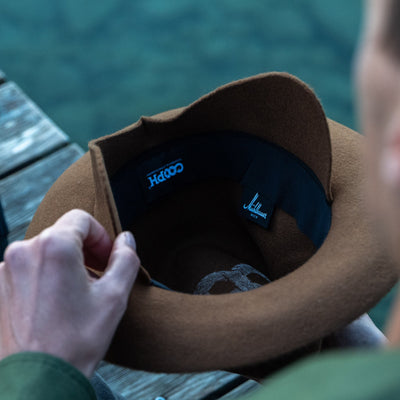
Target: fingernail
x,y
129,240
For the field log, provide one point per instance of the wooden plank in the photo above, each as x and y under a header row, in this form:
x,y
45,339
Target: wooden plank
x,y
22,192
149,386
18,233
26,133
244,389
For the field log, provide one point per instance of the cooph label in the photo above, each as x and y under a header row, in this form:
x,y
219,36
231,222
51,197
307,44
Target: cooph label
x,y
164,173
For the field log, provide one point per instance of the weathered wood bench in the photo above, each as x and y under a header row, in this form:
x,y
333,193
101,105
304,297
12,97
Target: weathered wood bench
x,y
33,154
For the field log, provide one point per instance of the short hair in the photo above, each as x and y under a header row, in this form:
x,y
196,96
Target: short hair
x,y
391,36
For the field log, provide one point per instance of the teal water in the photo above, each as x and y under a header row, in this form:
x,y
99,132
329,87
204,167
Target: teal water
x,y
95,66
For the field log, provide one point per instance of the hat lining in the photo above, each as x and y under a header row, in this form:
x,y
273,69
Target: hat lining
x,y
262,170
260,166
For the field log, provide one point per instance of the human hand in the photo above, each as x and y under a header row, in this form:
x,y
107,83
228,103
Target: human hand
x,y
48,302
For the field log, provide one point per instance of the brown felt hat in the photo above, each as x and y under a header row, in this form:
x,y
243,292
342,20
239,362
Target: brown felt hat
x,y
248,211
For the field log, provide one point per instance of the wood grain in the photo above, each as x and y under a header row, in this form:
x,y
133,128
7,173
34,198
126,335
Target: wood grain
x,y
26,133
148,386
22,192
244,389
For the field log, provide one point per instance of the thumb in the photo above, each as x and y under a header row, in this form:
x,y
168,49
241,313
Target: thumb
x,y
123,266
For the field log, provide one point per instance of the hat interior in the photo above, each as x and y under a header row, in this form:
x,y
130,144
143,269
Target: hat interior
x,y
220,212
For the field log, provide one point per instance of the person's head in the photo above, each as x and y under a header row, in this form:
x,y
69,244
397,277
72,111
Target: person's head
x,y
378,90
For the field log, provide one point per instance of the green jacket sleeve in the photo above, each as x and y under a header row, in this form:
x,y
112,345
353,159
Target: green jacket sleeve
x,y
355,375
42,376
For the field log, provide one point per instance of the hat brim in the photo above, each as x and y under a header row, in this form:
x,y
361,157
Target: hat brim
x,y
173,332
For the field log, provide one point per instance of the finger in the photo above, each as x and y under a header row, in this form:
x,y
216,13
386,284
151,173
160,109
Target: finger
x,y
122,268
19,263
92,237
15,255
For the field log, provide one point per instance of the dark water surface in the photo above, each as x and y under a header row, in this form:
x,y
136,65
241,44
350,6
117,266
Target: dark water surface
x,y
95,66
